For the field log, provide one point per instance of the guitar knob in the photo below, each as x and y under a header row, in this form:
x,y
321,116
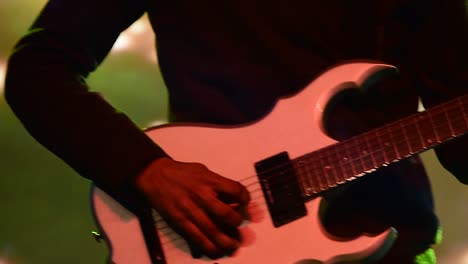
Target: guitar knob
x,y
97,236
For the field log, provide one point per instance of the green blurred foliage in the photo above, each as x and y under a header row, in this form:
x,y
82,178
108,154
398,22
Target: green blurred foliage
x,y
45,212
15,18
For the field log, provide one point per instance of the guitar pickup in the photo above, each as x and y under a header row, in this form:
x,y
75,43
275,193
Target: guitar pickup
x,y
281,189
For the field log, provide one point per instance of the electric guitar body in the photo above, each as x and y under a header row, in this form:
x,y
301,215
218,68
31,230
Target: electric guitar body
x,y
286,161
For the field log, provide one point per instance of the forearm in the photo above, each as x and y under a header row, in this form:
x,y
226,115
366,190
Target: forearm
x,y
45,87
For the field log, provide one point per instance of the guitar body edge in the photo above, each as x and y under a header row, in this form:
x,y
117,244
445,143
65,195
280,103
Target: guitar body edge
x,y
295,126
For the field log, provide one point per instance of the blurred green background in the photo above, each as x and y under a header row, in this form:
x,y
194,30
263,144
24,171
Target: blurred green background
x,y
44,206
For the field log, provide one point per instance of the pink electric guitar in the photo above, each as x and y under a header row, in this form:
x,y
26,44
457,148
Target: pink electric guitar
x,y
286,161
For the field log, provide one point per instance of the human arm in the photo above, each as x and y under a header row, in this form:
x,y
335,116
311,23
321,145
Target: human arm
x,y
46,89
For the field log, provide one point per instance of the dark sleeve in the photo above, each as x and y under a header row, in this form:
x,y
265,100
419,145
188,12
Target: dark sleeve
x,y
441,60
45,87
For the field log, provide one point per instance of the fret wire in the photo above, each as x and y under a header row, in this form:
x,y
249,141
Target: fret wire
x,y
444,110
358,158
348,161
364,153
355,159
341,161
452,131
415,139
333,163
453,115
340,171
444,122
448,121
427,129
371,151
418,129
350,158
365,160
443,132
323,164
326,167
310,176
343,164
313,177
436,134
462,105
409,140
299,168
457,124
424,137
324,179
400,144
313,172
388,151
397,154
319,177
332,159
413,135
399,140
379,138
406,138
378,153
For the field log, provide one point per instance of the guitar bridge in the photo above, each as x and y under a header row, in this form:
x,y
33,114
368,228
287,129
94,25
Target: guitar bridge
x,y
281,189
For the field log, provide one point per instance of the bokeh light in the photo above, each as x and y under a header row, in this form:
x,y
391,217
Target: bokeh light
x,y
138,39
2,75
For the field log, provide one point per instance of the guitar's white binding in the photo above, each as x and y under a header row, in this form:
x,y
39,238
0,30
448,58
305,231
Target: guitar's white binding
x,y
294,125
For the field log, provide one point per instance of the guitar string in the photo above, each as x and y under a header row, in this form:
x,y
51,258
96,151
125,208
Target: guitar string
x,y
437,110
258,199
170,238
399,140
359,157
175,240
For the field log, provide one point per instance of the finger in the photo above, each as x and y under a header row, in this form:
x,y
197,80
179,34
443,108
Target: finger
x,y
203,232
178,216
198,242
230,191
212,231
222,212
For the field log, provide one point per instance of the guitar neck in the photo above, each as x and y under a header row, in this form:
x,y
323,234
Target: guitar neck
x,y
360,155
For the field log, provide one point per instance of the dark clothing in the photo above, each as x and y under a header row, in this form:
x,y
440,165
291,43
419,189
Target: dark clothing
x,y
227,62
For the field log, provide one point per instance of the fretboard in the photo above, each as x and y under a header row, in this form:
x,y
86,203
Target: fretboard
x,y
353,158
